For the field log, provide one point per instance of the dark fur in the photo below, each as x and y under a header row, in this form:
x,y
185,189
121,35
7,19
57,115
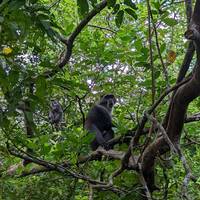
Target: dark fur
x,y
56,114
99,121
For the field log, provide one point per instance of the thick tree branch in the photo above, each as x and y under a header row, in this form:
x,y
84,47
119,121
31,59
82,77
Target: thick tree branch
x,y
186,61
183,96
139,131
65,170
70,41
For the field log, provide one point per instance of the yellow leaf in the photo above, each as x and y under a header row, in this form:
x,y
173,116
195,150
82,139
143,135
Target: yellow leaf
x,y
7,50
171,56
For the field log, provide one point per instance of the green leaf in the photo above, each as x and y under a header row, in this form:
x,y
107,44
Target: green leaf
x,y
31,144
14,27
15,5
33,1
83,7
111,3
162,47
1,19
47,29
46,148
44,139
93,2
138,44
5,122
41,87
119,18
170,21
116,8
131,13
157,74
13,77
157,5
130,4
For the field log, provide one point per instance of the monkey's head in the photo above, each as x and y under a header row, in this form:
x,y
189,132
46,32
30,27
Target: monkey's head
x,y
55,105
108,101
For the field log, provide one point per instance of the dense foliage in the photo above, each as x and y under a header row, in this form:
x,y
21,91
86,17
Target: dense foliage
x,y
119,52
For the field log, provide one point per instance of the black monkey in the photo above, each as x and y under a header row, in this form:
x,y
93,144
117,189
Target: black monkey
x,y
99,121
55,114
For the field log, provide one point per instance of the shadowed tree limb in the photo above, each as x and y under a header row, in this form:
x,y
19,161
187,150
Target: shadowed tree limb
x,y
186,61
144,119
184,95
65,170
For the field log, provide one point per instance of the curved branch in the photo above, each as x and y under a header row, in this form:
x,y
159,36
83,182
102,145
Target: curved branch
x,y
186,61
182,98
70,41
63,169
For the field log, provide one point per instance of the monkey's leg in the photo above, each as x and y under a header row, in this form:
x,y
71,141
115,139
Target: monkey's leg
x,y
108,135
99,137
94,145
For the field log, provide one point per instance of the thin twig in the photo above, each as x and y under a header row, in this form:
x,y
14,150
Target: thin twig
x,y
153,89
188,172
162,130
102,28
158,47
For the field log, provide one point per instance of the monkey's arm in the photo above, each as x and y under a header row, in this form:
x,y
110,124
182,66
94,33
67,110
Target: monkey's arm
x,y
51,117
58,117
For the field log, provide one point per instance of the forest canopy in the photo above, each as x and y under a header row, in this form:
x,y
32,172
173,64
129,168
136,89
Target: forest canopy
x,y
59,59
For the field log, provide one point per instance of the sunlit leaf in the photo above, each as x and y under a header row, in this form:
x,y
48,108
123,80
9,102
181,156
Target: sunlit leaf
x,y
170,21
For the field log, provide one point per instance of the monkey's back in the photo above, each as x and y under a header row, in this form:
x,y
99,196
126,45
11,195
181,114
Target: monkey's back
x,y
99,116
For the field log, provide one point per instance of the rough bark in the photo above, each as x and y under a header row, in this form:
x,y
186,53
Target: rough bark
x,y
184,95
186,61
